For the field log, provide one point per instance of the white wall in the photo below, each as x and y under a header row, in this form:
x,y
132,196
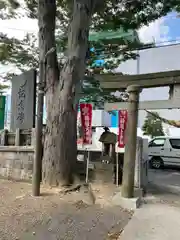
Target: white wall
x,y
165,58
97,146
159,59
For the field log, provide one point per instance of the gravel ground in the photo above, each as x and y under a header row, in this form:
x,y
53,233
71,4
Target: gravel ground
x,y
56,217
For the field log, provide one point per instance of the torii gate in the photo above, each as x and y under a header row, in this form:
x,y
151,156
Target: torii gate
x,y
134,84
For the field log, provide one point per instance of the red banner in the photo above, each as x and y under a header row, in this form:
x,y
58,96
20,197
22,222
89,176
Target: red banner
x,y
122,123
86,120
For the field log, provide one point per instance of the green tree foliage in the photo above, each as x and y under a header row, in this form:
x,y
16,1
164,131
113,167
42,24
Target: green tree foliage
x,y
153,126
128,16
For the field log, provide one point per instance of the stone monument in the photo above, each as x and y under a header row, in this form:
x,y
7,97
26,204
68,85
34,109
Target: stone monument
x,y
141,164
23,100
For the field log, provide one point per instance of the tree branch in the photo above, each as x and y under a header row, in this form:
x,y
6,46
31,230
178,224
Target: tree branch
x,y
164,120
46,22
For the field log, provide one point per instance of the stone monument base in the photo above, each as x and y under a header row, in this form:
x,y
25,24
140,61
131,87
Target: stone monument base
x,y
103,172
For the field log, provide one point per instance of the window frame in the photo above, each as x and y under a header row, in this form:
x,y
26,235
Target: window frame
x,y
172,144
157,145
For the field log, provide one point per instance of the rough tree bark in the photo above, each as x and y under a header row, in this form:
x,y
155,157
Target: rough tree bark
x,y
60,148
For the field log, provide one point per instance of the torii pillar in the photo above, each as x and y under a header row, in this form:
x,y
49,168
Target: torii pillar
x,y
127,190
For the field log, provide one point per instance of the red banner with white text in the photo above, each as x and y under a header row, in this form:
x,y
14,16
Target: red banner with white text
x,y
86,121
122,123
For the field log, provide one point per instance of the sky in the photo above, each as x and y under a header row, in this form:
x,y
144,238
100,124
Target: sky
x,y
162,30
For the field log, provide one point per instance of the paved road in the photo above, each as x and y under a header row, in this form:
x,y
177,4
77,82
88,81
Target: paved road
x,y
166,176
164,185
154,222
159,217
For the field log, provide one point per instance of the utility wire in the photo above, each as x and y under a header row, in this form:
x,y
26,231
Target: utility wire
x,y
175,41
19,29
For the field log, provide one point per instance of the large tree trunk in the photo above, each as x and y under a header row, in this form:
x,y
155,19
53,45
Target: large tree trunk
x,y
60,148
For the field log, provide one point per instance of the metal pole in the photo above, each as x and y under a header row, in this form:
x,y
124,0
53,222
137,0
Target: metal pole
x,y
127,190
37,166
87,167
117,169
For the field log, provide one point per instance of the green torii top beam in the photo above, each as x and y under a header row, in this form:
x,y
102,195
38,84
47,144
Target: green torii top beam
x,y
119,81
113,36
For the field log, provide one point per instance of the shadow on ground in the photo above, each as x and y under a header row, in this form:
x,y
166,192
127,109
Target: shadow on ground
x,y
79,221
54,216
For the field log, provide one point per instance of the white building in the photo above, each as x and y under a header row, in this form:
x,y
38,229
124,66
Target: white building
x,y
158,59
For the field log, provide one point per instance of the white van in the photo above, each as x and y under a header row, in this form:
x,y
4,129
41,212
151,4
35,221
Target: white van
x,y
164,151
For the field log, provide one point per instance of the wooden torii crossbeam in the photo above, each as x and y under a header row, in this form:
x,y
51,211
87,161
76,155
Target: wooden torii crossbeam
x,y
150,105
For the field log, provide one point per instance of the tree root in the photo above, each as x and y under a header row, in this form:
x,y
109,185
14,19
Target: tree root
x,y
86,188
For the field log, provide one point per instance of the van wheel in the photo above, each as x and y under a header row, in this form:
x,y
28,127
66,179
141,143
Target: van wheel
x,y
156,163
